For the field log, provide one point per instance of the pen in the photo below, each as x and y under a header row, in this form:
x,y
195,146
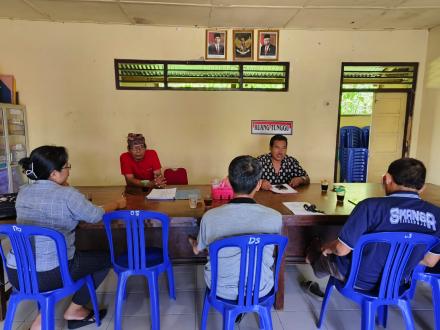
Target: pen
x,y
350,201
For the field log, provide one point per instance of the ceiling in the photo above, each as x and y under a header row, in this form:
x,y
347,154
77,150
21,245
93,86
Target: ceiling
x,y
286,14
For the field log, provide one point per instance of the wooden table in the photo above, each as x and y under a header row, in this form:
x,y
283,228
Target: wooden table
x,y
299,228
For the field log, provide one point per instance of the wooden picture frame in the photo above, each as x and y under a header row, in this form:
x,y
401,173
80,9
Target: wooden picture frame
x,y
268,45
216,45
243,45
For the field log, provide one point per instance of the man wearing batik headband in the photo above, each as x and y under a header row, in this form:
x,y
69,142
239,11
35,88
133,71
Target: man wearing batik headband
x,y
141,166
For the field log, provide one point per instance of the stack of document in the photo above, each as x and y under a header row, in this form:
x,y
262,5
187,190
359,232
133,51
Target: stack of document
x,y
162,194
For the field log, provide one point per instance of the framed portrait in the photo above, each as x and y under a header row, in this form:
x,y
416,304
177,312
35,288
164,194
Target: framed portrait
x,y
216,44
243,46
268,45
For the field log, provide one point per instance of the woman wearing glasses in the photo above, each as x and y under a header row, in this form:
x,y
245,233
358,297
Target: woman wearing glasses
x,y
51,202
141,166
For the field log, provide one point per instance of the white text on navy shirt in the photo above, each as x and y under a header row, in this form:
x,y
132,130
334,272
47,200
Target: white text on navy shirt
x,y
420,218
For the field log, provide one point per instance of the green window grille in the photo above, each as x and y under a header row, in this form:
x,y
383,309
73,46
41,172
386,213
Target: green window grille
x,y
218,76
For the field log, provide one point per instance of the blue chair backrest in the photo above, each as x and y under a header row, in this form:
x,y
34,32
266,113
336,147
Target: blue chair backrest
x,y
22,239
400,253
366,136
350,137
134,222
251,249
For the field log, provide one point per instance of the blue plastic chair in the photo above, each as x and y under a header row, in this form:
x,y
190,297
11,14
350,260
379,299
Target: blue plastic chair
x,y
248,288
357,164
21,237
349,137
391,291
433,280
140,259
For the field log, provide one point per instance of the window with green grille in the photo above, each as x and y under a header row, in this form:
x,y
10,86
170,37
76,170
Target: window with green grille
x,y
180,75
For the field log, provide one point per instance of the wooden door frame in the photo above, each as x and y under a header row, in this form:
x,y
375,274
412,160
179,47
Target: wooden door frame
x,y
410,99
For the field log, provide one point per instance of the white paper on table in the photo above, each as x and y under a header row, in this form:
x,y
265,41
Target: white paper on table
x,y
169,193
288,190
298,208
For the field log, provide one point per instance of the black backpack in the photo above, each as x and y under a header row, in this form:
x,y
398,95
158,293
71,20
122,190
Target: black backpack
x,y
7,206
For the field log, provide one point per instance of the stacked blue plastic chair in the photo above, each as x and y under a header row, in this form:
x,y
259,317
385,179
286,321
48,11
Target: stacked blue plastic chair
x,y
140,259
21,237
365,136
349,137
248,300
391,289
357,164
434,281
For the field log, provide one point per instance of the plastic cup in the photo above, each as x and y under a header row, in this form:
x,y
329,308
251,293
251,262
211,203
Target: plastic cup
x,y
207,200
340,194
192,198
324,185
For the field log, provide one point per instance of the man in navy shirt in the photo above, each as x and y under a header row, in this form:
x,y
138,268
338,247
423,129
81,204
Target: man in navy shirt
x,y
401,210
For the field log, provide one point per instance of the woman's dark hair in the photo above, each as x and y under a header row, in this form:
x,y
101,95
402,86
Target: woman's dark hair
x,y
244,174
408,172
42,161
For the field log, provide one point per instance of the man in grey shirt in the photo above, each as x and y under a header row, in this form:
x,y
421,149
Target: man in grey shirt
x,y
241,216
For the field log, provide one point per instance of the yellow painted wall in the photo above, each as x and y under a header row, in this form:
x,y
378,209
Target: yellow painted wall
x,y
429,139
359,121
65,77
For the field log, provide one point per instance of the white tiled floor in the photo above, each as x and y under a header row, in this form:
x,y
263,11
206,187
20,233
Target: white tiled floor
x,y
300,312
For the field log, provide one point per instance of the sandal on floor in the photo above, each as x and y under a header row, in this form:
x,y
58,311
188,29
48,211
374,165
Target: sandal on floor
x,y
89,319
313,289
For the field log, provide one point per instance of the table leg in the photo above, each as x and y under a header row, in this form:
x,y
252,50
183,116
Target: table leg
x,y
279,297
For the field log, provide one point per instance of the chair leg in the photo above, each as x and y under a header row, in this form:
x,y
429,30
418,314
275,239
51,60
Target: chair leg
x,y
92,293
205,311
435,283
47,311
325,301
368,315
10,312
119,300
154,300
265,318
405,307
382,315
171,289
229,319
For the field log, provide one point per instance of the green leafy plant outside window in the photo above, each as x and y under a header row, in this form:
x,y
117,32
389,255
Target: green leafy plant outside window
x,y
357,103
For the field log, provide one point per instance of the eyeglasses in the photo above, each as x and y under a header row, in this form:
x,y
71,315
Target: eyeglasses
x,y
312,208
68,166
137,148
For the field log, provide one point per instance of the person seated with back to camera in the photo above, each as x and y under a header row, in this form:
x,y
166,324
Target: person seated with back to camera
x,y
279,168
141,166
50,202
396,212
241,216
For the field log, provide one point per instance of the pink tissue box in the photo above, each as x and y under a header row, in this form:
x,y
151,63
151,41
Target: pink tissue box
x,y
222,191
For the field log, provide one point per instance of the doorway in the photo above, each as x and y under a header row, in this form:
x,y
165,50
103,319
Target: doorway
x,y
374,118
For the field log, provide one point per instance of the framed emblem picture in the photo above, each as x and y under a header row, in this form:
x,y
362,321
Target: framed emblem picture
x,y
243,47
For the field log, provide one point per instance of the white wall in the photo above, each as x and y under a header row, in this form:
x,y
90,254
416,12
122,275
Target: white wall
x,y
65,77
430,122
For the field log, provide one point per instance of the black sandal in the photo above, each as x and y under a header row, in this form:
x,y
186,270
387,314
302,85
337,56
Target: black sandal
x,y
89,319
